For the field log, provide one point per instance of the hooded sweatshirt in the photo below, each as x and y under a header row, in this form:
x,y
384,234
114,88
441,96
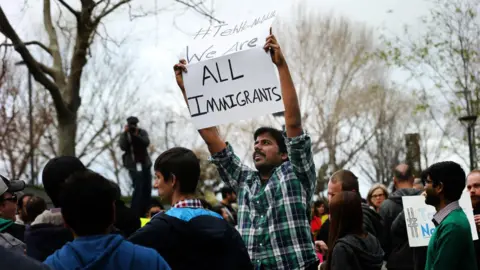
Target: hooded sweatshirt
x,y
106,252
46,234
397,251
194,239
352,252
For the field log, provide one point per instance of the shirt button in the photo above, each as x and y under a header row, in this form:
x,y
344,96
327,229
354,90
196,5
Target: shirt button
x,y
260,244
261,216
258,202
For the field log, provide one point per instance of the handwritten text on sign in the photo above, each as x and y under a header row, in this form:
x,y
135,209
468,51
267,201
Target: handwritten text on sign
x,y
224,39
232,88
418,218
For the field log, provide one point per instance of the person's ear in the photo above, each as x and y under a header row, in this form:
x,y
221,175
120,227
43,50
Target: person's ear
x,y
173,180
439,187
284,156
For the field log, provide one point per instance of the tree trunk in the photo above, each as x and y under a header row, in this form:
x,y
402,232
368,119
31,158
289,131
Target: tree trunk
x,y
67,133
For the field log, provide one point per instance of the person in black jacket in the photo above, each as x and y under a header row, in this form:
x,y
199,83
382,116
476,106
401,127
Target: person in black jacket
x,y
134,142
473,187
344,180
350,247
398,253
189,236
126,220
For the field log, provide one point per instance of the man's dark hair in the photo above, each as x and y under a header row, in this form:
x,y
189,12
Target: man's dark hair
x,y
35,206
277,136
403,176
56,172
451,175
225,191
87,202
20,200
348,179
182,163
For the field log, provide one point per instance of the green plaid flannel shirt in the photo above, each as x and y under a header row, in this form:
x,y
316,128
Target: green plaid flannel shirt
x,y
273,219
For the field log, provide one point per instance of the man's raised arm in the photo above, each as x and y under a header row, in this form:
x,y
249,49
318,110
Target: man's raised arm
x,y
299,145
209,135
293,117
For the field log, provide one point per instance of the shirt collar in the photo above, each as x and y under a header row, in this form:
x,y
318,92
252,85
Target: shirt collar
x,y
189,203
442,214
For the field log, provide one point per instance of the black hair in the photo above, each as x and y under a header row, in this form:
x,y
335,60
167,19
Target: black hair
x,y
277,136
87,203
225,191
20,200
451,175
35,206
403,176
182,163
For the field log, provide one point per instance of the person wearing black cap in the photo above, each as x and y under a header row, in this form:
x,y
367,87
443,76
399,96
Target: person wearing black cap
x,y
47,232
134,142
8,207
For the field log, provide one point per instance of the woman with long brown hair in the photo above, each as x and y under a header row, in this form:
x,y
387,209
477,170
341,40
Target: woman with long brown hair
x,y
350,247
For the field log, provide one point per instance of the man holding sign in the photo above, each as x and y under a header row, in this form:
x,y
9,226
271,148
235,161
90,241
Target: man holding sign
x,y
273,201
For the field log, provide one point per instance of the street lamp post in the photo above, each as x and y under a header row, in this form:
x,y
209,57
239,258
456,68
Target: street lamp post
x,y
469,121
30,124
167,123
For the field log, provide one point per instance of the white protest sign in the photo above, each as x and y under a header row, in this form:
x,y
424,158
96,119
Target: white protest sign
x,y
231,88
227,38
418,218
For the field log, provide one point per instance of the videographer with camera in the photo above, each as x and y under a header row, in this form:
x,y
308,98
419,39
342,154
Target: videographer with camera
x,y
134,142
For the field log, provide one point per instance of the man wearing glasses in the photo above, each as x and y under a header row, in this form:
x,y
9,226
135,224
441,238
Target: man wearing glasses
x,y
8,207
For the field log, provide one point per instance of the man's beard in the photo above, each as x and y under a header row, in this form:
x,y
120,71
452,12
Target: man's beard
x,y
432,199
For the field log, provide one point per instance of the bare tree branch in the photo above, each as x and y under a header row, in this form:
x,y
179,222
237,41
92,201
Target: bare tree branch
x,y
67,6
38,43
198,8
9,32
107,10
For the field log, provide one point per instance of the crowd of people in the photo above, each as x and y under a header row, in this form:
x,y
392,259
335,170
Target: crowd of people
x,y
275,226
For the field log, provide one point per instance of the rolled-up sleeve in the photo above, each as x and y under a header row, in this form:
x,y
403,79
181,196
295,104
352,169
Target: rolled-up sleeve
x,y
232,171
300,155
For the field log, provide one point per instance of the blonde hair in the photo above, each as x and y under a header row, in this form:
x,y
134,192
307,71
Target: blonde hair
x,y
375,187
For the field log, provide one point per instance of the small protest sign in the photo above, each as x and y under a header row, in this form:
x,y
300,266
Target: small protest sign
x,y
418,218
231,88
227,38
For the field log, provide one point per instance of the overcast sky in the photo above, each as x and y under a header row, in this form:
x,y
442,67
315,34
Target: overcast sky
x,y
157,40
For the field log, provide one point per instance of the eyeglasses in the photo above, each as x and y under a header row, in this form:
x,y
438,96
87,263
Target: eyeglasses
x,y
378,196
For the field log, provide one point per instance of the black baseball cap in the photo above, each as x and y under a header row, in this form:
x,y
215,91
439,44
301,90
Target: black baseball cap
x,y
7,185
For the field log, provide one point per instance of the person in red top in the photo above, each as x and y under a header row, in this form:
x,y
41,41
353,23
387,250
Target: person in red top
x,y
319,216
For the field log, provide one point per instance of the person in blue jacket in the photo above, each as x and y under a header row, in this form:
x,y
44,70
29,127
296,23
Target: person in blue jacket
x,y
88,208
189,236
